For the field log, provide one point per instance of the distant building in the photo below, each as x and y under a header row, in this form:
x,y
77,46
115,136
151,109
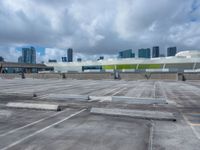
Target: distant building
x,y
126,54
29,55
171,51
64,59
20,59
155,51
101,58
1,58
144,53
70,55
52,60
79,59
186,60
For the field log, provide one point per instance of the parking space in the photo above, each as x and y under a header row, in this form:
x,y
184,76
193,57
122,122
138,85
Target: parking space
x,y
12,119
72,129
76,128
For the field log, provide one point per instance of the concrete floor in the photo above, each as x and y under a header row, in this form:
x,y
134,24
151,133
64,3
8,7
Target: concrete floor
x,y
75,128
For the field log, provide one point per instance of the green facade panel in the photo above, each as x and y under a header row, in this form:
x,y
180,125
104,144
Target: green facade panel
x,y
150,66
132,66
126,66
119,67
108,67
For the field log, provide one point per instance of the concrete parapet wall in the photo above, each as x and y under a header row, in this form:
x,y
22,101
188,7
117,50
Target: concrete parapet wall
x,y
43,75
164,76
92,76
107,75
9,76
148,76
132,76
189,76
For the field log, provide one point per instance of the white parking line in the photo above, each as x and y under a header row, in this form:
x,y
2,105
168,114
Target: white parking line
x,y
41,130
110,91
33,123
192,127
154,89
110,99
46,95
140,93
119,91
150,147
165,95
100,100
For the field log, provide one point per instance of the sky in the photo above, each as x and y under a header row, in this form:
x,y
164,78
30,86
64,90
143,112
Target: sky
x,y
96,27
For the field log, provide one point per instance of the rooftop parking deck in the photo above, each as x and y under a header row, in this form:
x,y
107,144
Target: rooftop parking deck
x,y
75,127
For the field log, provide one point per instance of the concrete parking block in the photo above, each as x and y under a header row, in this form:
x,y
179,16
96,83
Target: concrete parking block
x,y
64,97
132,100
100,98
142,114
34,106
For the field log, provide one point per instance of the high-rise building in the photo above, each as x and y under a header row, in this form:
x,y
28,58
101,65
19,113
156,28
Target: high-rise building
x,y
52,60
64,59
126,54
20,59
144,53
1,58
70,55
101,58
79,59
29,55
155,51
171,51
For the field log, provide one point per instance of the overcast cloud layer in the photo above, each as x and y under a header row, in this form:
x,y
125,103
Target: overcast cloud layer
x,y
97,26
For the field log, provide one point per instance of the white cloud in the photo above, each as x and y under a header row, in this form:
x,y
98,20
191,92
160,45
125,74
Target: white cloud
x,y
10,54
53,53
98,27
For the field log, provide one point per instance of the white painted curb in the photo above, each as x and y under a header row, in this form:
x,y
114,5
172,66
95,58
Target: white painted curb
x,y
34,106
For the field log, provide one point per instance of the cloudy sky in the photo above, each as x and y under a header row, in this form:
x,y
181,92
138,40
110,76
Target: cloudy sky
x,y
97,27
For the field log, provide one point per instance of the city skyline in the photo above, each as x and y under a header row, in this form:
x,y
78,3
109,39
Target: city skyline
x,y
97,27
122,53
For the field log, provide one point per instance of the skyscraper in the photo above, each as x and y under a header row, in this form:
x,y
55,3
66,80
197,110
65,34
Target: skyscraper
x,y
171,51
155,52
1,58
52,60
126,54
144,53
79,59
70,55
101,58
20,59
29,55
64,59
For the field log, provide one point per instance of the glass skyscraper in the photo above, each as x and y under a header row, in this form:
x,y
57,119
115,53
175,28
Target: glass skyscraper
x,y
126,54
1,58
144,53
155,52
70,55
29,55
20,59
64,59
171,51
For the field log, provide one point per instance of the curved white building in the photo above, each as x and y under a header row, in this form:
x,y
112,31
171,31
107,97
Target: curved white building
x,y
189,54
182,62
